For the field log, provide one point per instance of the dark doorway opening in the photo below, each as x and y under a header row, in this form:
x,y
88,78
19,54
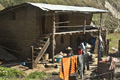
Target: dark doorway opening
x,y
63,18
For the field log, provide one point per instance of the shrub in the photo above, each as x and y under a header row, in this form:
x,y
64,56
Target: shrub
x,y
118,32
11,73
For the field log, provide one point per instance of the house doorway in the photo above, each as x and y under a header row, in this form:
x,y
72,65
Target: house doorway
x,y
63,18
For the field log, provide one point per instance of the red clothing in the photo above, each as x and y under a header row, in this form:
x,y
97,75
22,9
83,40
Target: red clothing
x,y
80,52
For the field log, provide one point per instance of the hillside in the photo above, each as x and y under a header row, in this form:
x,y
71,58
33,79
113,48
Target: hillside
x,y
110,20
1,7
96,3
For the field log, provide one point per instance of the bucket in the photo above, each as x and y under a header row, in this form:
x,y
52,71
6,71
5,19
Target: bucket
x,y
58,59
46,56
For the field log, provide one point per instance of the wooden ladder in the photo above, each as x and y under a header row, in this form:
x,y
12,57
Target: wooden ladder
x,y
39,50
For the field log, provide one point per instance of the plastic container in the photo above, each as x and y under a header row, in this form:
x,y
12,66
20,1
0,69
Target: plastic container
x,y
46,56
58,59
23,63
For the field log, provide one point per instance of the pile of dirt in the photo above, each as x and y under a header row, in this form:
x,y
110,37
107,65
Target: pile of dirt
x,y
5,55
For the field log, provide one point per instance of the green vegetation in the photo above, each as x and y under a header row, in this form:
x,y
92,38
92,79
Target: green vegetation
x,y
1,7
55,73
7,3
36,75
10,73
14,74
114,37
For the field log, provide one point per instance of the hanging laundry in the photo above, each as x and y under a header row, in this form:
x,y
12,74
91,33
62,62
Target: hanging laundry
x,y
65,68
80,65
73,63
68,67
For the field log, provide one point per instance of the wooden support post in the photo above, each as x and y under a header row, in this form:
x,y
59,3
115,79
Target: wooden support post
x,y
100,19
99,34
105,43
119,46
99,52
107,51
84,28
53,38
96,46
32,57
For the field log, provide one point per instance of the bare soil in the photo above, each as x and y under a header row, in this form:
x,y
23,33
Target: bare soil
x,y
41,67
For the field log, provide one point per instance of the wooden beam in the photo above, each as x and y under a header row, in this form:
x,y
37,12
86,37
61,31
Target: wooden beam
x,y
53,37
40,54
72,32
62,22
74,26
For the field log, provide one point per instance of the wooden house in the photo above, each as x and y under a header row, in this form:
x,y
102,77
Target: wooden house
x,y
31,29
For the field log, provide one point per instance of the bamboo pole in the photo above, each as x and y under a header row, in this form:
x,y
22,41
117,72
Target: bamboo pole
x,y
53,38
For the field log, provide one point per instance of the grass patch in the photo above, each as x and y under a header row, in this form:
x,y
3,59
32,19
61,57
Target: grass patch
x,y
118,32
36,75
115,37
14,74
6,73
55,73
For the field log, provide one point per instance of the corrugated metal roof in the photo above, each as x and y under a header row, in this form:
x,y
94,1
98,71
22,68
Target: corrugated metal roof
x,y
51,7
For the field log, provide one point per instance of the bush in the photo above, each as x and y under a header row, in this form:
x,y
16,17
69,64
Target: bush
x,y
118,32
11,73
36,75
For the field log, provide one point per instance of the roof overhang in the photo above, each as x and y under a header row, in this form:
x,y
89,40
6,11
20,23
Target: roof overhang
x,y
64,8
58,8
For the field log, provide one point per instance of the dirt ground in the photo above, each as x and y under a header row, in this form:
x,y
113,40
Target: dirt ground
x,y
41,67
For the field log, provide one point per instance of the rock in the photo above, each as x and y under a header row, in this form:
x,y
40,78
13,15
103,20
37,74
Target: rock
x,y
117,29
114,49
